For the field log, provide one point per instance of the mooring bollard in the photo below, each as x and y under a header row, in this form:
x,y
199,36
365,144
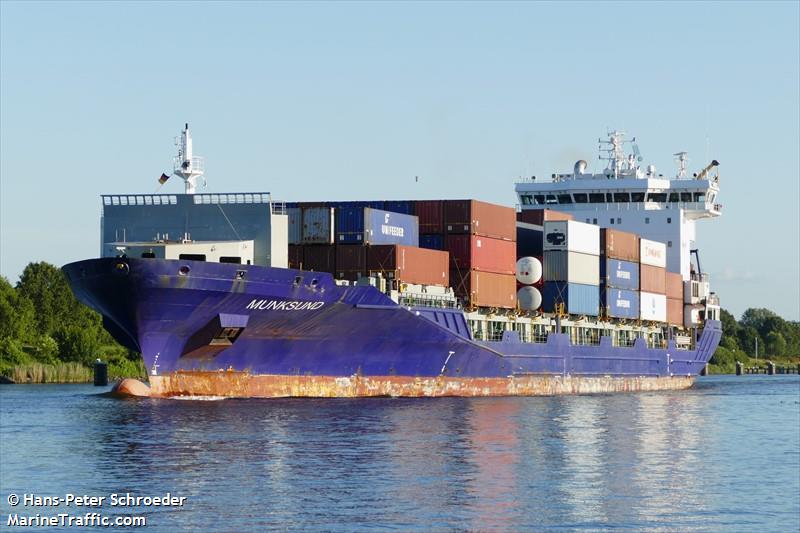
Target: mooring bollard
x,y
100,373
771,368
739,368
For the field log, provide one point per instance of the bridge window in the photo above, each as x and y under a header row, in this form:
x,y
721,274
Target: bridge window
x,y
539,199
597,198
622,197
657,197
609,197
551,199
564,199
673,197
527,199
699,197
686,197
580,198
637,197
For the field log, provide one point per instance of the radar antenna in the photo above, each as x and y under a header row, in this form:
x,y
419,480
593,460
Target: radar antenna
x,y
186,165
682,158
618,162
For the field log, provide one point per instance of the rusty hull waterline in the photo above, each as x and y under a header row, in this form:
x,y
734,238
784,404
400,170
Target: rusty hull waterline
x,y
245,385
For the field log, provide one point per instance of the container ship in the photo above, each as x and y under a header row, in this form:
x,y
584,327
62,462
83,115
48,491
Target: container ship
x,y
591,284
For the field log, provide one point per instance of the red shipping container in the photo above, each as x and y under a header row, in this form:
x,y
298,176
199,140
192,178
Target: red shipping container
x,y
485,289
319,257
480,218
674,286
615,244
538,216
410,264
675,311
296,256
431,216
653,279
473,252
351,260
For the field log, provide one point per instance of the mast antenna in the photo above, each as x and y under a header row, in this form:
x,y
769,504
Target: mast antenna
x,y
186,165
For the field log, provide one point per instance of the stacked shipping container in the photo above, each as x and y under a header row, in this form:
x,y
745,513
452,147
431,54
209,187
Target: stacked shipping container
x,y
475,239
571,265
653,280
619,273
480,238
409,264
674,284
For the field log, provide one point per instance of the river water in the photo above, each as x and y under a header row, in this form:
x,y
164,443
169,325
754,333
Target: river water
x,y
723,456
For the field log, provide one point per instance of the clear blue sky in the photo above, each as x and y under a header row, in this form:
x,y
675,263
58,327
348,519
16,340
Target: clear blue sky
x,y
352,100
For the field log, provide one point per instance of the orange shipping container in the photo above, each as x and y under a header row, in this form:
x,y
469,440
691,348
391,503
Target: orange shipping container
x,y
653,279
473,252
616,244
485,289
539,216
410,264
674,286
480,218
675,311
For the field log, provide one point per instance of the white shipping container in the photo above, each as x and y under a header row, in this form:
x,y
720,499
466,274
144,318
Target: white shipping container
x,y
653,253
572,267
653,306
572,236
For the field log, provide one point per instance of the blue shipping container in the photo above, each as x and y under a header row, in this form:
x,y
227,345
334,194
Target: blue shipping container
x,y
399,206
618,274
350,221
529,241
385,227
295,224
578,299
621,303
432,242
350,225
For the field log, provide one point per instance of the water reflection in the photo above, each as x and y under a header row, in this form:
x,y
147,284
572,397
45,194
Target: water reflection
x,y
661,461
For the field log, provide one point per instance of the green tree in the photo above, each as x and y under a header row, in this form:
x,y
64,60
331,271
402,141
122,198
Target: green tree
x,y
46,287
16,314
776,344
77,344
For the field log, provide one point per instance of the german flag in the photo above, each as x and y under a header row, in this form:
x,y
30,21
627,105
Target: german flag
x,y
163,179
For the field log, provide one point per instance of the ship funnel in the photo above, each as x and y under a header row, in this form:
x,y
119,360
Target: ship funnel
x,y
580,167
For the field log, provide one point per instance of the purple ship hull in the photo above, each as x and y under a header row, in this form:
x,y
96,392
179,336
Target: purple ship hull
x,y
236,330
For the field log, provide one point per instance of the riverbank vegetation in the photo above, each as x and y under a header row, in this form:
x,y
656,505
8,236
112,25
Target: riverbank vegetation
x,y
759,336
47,336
